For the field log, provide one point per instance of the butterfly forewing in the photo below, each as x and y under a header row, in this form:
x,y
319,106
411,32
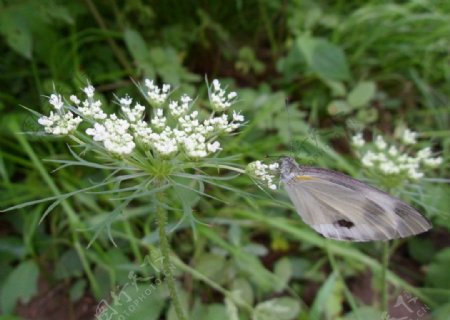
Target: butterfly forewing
x,y
343,208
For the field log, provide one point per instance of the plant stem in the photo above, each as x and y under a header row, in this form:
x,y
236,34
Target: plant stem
x,y
348,294
384,281
164,243
198,275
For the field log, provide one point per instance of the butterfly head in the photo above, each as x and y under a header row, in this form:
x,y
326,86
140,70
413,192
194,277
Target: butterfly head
x,y
288,168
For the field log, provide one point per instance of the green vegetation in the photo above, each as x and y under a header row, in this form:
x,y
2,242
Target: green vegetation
x,y
309,76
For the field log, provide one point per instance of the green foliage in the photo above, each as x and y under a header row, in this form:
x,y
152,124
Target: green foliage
x,y
308,74
21,284
324,59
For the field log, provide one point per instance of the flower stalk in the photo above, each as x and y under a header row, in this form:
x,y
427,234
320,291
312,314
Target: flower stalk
x,y
165,248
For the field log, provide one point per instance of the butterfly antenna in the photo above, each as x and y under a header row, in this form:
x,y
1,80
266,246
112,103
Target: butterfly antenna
x,y
291,143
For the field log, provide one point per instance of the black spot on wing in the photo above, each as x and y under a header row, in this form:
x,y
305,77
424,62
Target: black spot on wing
x,y
344,223
370,207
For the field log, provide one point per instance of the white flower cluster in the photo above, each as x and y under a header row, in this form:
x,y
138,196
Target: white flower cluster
x,y
60,122
263,172
171,130
156,96
219,98
394,160
89,108
114,135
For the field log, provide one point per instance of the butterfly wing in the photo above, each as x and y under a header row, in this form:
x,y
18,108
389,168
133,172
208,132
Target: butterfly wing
x,y
342,208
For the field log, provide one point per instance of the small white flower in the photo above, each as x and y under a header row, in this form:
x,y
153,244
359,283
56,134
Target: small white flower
x,y
389,167
263,172
114,135
177,110
59,123
433,162
274,166
220,101
380,143
135,114
213,147
358,140
409,137
414,174
75,99
368,159
56,101
89,91
125,101
91,108
424,153
237,117
156,95
393,151
159,121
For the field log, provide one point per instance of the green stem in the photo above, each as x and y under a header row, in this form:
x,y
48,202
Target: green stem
x,y
239,302
348,294
384,280
198,275
133,242
164,243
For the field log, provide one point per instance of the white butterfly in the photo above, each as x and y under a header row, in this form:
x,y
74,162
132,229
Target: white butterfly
x,y
342,208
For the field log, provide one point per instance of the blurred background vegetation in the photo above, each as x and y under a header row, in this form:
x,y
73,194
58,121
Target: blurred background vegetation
x,y
342,66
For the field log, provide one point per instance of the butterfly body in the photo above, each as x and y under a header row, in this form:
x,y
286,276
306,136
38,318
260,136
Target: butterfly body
x,y
342,208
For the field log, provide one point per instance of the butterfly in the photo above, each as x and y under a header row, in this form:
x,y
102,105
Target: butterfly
x,y
342,208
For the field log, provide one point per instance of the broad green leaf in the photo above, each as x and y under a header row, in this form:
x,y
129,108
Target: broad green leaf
x,y
12,247
243,290
284,308
324,58
338,107
253,267
14,27
421,250
68,265
215,311
255,249
438,274
361,95
120,263
134,303
364,313
283,270
211,265
21,284
77,290
367,115
441,313
232,310
138,49
324,304
338,88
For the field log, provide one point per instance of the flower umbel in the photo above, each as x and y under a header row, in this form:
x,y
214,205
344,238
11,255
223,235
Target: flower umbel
x,y
395,161
174,130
